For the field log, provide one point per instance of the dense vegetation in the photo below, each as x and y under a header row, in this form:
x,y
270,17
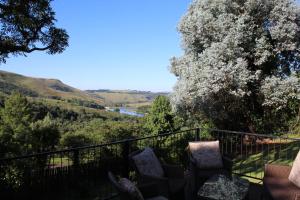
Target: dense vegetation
x,y
28,126
241,64
31,125
7,88
161,119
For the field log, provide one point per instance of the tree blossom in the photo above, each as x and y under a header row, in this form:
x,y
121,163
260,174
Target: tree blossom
x,y
246,50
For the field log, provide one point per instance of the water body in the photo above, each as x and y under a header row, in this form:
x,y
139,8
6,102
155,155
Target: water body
x,y
130,112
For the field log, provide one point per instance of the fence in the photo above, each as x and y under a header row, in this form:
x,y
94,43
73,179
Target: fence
x,y
81,172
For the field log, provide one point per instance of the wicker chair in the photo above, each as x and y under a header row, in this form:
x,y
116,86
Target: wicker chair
x,y
277,185
148,191
202,175
171,185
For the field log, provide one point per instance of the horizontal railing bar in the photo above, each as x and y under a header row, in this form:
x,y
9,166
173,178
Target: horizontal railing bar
x,y
244,175
254,134
141,138
93,146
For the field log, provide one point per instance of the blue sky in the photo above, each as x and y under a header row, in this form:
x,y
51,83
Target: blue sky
x,y
114,44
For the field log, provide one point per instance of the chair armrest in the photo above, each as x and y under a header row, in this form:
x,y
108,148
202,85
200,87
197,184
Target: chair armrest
x,y
149,190
227,162
297,196
173,171
280,171
192,168
192,161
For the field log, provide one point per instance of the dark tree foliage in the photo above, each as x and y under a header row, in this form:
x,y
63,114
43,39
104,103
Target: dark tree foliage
x,y
40,111
161,119
85,103
9,88
27,26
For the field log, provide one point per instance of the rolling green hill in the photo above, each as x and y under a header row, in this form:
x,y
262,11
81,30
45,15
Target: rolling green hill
x,y
53,90
49,88
129,98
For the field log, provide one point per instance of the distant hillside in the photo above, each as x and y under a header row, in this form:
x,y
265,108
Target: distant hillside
x,y
43,88
56,90
125,97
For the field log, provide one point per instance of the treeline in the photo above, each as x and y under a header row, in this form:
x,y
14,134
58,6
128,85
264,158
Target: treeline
x,y
7,88
85,103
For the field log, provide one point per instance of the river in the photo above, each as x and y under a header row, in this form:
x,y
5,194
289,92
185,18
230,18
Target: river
x,y
130,112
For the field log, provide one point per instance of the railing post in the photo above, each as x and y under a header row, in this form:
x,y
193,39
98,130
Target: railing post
x,y
76,158
197,138
125,153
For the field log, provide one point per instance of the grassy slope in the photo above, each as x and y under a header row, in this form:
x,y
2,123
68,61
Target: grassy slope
x,y
253,163
53,88
46,87
125,97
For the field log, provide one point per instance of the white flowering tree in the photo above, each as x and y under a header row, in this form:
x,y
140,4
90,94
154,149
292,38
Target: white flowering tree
x,y
241,62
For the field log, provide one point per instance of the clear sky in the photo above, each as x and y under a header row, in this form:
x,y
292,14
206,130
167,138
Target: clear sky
x,y
114,44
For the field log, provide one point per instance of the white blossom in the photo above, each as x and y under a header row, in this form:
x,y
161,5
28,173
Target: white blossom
x,y
278,91
235,46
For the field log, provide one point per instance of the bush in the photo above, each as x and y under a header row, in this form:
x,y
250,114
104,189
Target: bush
x,y
73,140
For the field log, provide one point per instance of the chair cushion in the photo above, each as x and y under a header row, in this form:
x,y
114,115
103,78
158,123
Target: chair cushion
x,y
131,189
206,154
294,176
157,198
281,188
148,164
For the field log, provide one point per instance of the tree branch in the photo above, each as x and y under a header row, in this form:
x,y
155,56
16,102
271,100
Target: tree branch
x,y
37,49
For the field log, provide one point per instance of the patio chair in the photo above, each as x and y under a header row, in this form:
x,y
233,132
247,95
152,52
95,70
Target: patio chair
x,y
205,161
169,178
128,191
282,182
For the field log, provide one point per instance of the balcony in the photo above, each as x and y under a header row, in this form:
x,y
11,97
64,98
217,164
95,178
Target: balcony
x,y
81,173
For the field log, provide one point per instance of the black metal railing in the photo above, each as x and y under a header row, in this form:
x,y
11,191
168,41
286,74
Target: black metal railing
x,y
81,172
